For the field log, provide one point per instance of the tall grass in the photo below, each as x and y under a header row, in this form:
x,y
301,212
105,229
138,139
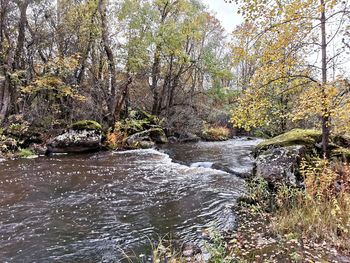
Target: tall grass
x,y
321,212
216,133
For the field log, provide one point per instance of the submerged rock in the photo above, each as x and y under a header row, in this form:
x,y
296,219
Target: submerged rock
x,y
232,170
202,164
75,141
280,165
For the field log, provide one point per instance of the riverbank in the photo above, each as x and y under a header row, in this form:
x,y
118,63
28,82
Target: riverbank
x,y
254,240
140,130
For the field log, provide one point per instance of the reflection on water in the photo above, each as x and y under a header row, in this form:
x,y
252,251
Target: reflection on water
x,y
88,208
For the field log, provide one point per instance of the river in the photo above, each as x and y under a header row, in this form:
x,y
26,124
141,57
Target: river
x,y
95,207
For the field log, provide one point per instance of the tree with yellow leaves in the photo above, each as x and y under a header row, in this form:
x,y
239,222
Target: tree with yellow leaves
x,y
301,42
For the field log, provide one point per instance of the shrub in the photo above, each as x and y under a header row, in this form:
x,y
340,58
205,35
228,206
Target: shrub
x,y
216,133
25,153
116,138
18,129
322,211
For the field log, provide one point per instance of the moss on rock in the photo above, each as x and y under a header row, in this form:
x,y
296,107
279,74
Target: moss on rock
x,y
341,152
158,135
293,137
89,125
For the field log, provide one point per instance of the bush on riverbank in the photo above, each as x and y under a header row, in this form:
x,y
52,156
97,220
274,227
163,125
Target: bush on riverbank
x,y
320,212
139,130
216,133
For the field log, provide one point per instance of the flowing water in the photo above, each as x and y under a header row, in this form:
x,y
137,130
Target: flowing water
x,y
90,208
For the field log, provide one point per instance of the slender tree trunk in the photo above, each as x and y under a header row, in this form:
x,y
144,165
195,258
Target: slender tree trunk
x,y
110,57
81,72
122,97
4,98
18,62
155,75
325,111
155,78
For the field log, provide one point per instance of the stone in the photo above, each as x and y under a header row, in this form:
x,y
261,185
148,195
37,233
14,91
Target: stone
x,y
86,125
75,141
280,165
8,145
157,135
146,145
342,153
39,149
173,139
190,250
147,139
231,170
188,137
2,158
308,138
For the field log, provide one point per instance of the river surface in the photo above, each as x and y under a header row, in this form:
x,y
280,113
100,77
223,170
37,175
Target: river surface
x,y
95,207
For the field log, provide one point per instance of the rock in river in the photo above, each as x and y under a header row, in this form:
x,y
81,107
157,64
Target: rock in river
x,y
147,139
280,164
75,141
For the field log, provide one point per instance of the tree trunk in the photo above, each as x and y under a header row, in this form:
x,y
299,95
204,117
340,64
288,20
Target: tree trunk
x,y
110,57
155,78
325,110
18,62
122,97
4,98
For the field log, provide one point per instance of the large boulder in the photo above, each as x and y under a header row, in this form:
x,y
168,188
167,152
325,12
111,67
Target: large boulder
x,y
280,165
84,136
307,138
278,158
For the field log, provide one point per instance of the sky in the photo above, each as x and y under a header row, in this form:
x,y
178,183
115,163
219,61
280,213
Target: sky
x,y
225,12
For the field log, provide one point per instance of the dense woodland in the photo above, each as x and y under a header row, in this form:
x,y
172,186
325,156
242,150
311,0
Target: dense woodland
x,y
96,59
284,67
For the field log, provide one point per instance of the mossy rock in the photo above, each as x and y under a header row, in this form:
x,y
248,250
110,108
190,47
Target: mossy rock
x,y
143,115
86,125
158,135
341,152
342,140
307,138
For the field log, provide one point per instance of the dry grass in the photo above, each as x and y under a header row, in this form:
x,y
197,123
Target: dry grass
x,y
216,133
116,138
322,211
